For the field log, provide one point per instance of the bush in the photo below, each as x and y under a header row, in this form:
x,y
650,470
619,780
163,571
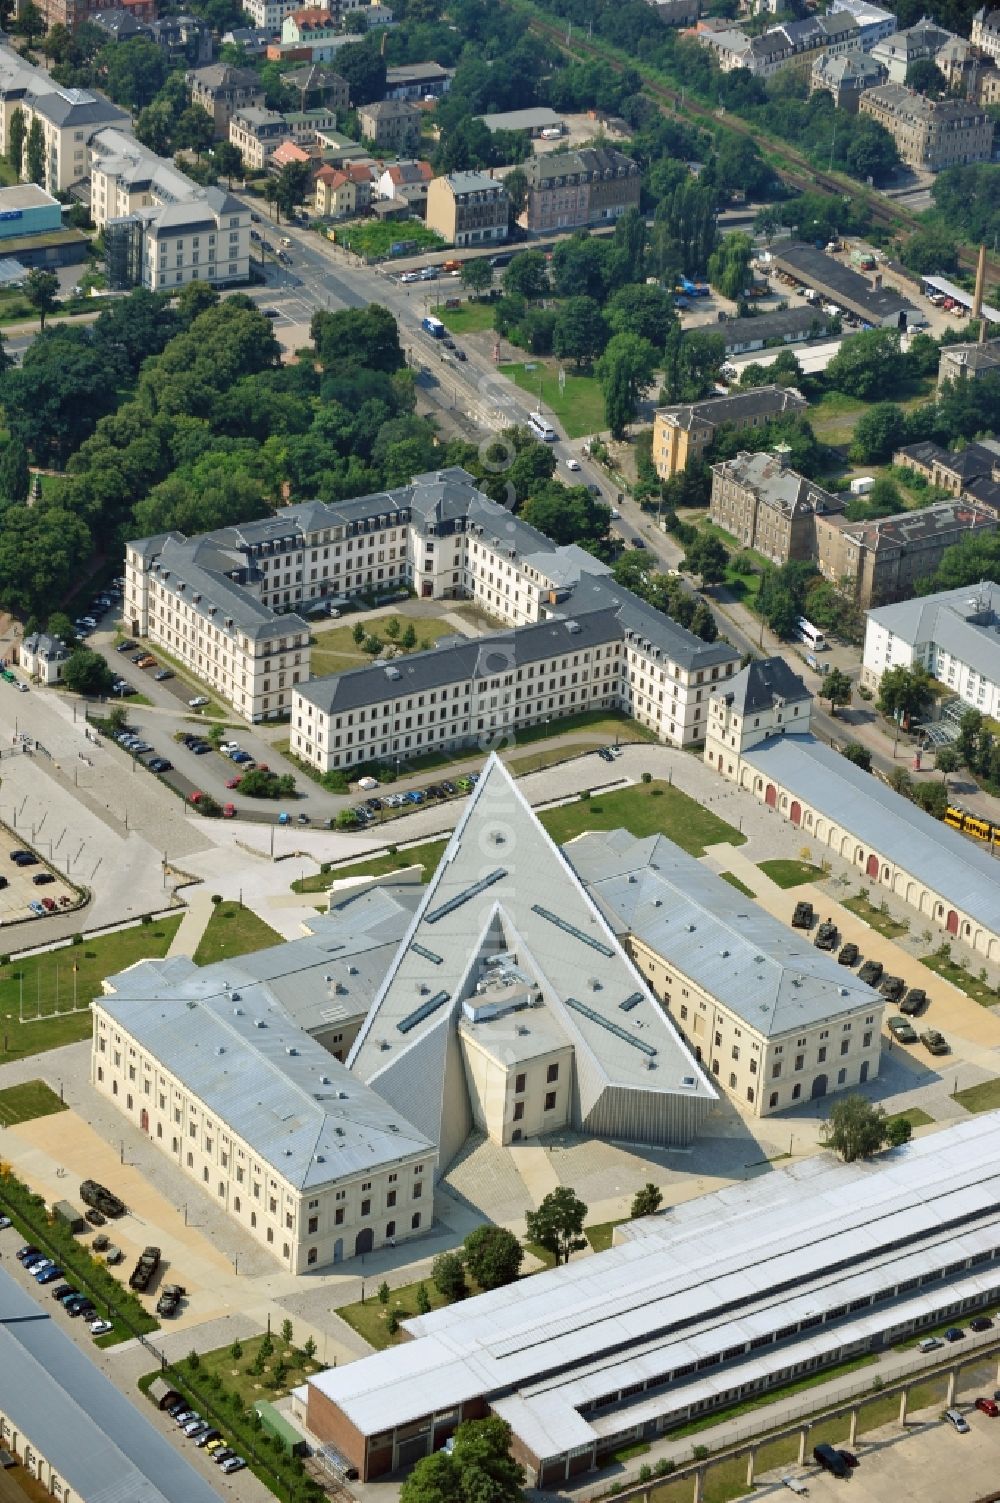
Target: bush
x,y
78,939
700,1453
645,1472
665,1466
647,777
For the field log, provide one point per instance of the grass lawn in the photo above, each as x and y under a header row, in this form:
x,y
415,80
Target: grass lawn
x,y
734,881
791,873
253,1386
916,1116
875,918
761,1400
426,856
370,1319
372,238
335,650
47,984
600,1238
471,318
33,1098
655,808
984,1097
972,986
233,930
579,409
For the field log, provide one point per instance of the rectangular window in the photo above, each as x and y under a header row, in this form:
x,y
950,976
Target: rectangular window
x,y
550,1101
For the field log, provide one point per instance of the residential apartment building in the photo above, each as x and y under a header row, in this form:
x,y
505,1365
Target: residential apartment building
x,y
845,78
406,180
417,81
343,191
305,27
686,431
972,473
221,90
930,134
307,1160
392,124
566,190
896,52
768,507
880,561
794,44
986,32
969,362
318,88
256,133
468,208
873,23
267,15
42,657
73,13
954,634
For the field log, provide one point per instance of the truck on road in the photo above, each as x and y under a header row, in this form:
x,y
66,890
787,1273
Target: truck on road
x,y
432,326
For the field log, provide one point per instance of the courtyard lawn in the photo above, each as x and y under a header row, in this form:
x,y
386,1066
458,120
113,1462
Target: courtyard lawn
x,y
471,318
601,1235
916,1116
22,1103
734,881
336,650
235,1372
655,808
48,983
579,409
370,1319
881,922
373,239
791,873
984,1097
426,856
972,986
233,930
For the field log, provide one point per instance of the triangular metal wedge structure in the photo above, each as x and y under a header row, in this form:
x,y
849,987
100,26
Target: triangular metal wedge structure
x,y
511,1005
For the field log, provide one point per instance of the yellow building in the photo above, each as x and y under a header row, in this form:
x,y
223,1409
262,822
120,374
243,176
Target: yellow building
x,y
686,432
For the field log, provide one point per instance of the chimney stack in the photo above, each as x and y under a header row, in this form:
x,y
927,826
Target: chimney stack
x,y
977,299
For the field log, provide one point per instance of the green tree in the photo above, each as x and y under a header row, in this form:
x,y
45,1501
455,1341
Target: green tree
x,y
557,1224
477,275
479,1468
423,1299
357,338
493,1256
363,66
924,75
15,139
638,309
229,161
41,288
134,71
702,623
30,23
409,637
858,754
293,186
707,557
946,760
729,265
448,1276
516,184
383,1293
899,1130
195,131
86,672
34,154
855,1129
392,1323
580,332
527,275
871,152
868,365
567,514
836,688
236,1350
286,1332
647,1201
625,371
15,477
309,1348
358,632
904,693
878,432
393,627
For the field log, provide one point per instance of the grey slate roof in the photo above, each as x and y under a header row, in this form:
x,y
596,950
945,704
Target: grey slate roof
x,y
759,401
99,1442
722,941
588,162
777,486
931,852
75,107
964,622
778,325
238,1051
762,682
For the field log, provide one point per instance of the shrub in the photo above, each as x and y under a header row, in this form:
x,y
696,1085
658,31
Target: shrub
x,y
216,899
147,918
193,1360
78,939
665,1466
645,1472
700,1453
647,777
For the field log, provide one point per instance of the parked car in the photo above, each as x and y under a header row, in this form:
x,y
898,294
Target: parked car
x,y
849,1457
198,701
988,1406
42,879
954,1333
229,811
831,1460
48,1275
161,764
914,1002
4,1223
957,1421
981,1323
100,1327
209,1435
163,673
234,1464
224,1453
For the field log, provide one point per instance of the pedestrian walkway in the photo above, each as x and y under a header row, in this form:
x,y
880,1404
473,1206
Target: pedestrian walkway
x,y
197,916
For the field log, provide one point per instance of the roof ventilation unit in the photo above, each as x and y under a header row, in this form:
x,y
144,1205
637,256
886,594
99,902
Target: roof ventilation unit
x,y
291,1049
341,1095
238,1011
352,970
259,1023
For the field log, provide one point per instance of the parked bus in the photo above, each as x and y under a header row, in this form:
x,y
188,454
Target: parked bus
x,y
432,326
542,428
810,635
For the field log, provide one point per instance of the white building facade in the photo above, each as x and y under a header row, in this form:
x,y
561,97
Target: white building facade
x,y
954,634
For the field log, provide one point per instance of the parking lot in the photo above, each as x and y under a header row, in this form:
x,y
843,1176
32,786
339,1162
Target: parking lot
x,y
30,882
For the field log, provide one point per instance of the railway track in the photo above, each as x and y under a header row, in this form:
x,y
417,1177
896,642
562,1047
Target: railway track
x,y
801,176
